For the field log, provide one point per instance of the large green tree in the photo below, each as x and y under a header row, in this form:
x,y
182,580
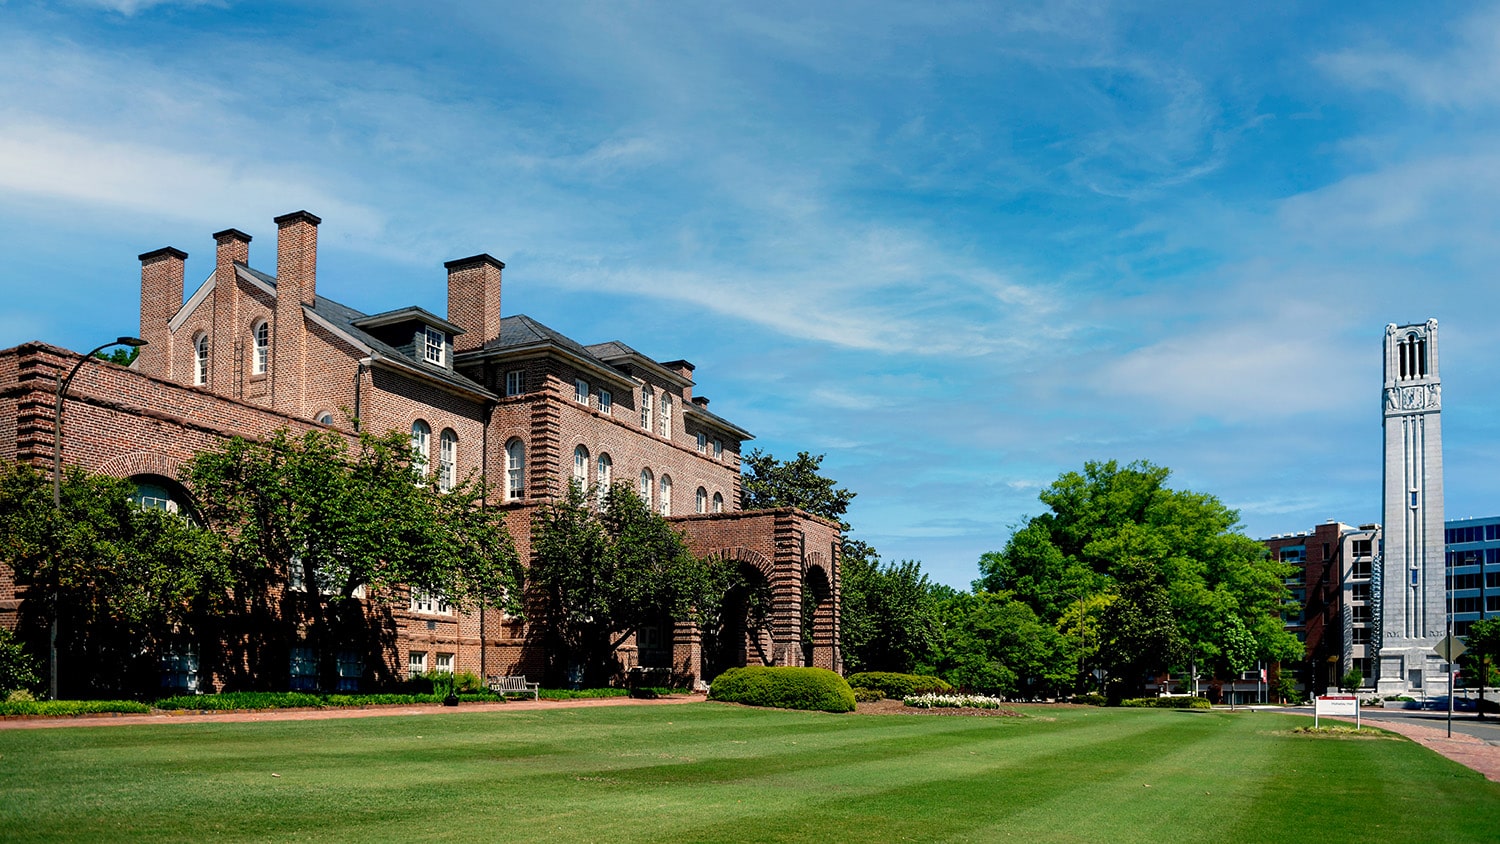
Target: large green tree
x,y
339,520
602,573
1174,561
991,643
890,612
770,483
120,580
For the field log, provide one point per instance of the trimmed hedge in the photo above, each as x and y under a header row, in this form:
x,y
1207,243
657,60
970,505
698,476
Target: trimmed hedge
x,y
291,700
70,707
1169,702
864,695
784,688
1090,699
900,686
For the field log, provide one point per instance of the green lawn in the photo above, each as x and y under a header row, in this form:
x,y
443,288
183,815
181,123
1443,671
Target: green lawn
x,y
711,772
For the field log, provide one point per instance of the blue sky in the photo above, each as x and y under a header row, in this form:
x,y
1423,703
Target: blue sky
x,y
959,248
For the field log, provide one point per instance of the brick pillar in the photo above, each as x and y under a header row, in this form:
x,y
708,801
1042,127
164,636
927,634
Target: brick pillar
x,y
296,286
687,651
474,300
161,298
224,375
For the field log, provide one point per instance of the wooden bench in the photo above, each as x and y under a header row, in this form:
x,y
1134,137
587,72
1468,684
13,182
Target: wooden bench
x,y
517,685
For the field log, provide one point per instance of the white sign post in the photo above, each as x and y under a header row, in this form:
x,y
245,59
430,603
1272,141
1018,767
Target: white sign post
x,y
1334,705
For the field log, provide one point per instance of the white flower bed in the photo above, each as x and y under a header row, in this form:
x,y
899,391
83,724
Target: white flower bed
x,y
932,701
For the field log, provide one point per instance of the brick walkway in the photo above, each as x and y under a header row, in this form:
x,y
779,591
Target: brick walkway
x,y
106,720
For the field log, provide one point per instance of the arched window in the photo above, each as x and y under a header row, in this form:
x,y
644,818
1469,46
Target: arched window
x,y
646,408
325,418
421,444
260,335
200,360
700,501
515,470
581,467
605,476
646,479
666,495
447,459
666,415
718,503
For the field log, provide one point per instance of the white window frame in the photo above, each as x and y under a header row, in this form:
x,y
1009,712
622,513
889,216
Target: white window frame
x,y
434,346
581,466
606,401
718,502
515,470
581,391
442,663
666,415
665,497
700,501
514,382
416,663
429,603
646,408
605,469
447,460
421,444
260,340
702,443
200,360
647,481
718,449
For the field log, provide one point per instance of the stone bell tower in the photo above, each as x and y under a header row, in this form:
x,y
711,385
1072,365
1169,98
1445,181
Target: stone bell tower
x,y
1413,589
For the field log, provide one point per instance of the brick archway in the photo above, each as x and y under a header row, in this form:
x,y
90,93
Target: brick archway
x,y
142,463
749,557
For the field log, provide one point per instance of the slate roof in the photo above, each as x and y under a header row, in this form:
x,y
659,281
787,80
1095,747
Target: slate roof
x,y
344,318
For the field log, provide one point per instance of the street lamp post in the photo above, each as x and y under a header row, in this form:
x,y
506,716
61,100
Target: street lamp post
x,y
57,420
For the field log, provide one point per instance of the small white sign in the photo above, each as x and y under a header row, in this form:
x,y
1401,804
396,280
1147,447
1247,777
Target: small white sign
x,y
1336,705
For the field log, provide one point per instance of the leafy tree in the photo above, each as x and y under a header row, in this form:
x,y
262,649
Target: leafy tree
x,y
1483,649
890,615
120,580
124,356
18,669
601,575
994,644
1175,562
1353,679
769,483
342,520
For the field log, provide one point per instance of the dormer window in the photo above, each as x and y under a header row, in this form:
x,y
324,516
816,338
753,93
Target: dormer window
x,y
433,346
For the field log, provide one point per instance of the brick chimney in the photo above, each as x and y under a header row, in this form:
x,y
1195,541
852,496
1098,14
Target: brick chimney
x,y
296,285
233,246
161,298
474,300
685,369
297,254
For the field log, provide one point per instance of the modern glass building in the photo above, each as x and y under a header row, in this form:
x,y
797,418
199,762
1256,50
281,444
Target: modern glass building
x,y
1473,547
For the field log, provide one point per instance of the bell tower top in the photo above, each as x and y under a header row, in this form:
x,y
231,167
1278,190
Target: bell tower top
x,y
1411,368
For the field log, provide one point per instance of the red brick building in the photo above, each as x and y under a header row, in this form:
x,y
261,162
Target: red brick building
x,y
503,398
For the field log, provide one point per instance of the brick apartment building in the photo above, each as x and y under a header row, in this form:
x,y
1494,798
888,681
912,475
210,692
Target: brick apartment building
x,y
504,398
1333,587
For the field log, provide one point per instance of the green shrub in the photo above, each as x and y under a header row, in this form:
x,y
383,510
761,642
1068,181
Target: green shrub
x,y
1169,702
70,707
242,700
864,695
1090,699
784,688
572,694
899,686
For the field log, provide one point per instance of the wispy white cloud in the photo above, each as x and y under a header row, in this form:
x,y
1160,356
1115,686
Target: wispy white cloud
x,y
55,163
1464,74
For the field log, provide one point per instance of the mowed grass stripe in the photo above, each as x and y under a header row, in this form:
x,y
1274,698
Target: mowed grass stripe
x,y
708,772
997,777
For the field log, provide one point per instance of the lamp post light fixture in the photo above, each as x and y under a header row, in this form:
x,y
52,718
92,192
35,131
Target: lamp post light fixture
x,y
57,420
